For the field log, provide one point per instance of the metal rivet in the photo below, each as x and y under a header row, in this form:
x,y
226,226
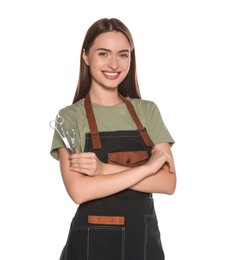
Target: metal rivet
x,y
120,220
111,219
91,219
100,220
128,161
143,129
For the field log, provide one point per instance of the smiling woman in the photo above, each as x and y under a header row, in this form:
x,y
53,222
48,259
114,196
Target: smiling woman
x,y
122,155
109,62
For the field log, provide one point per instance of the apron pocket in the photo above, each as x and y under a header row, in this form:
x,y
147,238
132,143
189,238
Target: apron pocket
x,y
77,245
106,243
129,158
153,247
97,242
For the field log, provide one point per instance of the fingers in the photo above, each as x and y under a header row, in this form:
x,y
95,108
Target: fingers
x,y
161,157
81,156
170,163
84,163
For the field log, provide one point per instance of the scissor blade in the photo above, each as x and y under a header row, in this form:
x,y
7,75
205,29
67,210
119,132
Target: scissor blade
x,y
65,140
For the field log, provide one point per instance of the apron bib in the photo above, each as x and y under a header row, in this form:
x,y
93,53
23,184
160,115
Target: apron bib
x,y
122,226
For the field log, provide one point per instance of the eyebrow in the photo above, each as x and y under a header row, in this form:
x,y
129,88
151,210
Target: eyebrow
x,y
104,49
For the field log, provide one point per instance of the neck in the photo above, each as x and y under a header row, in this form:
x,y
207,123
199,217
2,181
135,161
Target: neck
x,y
108,97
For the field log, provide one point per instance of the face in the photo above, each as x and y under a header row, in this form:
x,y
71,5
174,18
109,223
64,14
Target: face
x,y
108,60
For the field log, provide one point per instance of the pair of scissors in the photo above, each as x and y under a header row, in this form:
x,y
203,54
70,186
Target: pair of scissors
x,y
57,124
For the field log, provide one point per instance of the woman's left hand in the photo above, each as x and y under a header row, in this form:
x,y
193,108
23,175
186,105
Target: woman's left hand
x,y
86,163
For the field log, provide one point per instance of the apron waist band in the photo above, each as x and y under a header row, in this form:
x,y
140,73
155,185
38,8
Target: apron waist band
x,y
131,194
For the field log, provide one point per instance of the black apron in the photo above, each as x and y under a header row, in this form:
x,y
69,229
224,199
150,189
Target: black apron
x,y
122,226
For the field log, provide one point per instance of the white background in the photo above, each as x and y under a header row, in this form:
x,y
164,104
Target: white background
x,y
183,66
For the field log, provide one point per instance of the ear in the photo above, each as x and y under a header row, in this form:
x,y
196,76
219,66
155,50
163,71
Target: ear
x,y
85,57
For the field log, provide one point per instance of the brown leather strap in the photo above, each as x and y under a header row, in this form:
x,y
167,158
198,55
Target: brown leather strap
x,y
93,126
92,123
106,220
141,129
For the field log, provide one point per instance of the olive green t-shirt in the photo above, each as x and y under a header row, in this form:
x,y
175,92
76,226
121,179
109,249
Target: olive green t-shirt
x,y
112,118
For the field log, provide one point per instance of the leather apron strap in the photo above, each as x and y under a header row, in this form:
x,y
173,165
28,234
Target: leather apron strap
x,y
142,130
92,123
93,126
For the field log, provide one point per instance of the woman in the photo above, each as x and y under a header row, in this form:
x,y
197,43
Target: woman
x,y
122,154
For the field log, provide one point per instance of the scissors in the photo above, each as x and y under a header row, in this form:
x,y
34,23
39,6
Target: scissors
x,y
57,124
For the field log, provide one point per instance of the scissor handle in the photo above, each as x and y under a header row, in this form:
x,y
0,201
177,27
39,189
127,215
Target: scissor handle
x,y
59,120
52,124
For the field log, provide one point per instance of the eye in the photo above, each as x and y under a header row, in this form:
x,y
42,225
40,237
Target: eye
x,y
124,55
104,54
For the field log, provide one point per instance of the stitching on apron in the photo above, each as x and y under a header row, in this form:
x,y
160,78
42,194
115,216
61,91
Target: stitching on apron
x,y
123,244
88,245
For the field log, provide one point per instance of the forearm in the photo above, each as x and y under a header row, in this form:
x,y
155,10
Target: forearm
x,y
109,168
82,188
162,182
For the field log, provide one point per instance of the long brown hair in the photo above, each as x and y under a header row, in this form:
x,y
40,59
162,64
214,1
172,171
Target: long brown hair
x,y
129,86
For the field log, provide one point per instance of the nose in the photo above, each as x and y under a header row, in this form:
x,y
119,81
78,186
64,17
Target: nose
x,y
113,63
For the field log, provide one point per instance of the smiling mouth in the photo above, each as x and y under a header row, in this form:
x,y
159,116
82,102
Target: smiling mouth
x,y
111,75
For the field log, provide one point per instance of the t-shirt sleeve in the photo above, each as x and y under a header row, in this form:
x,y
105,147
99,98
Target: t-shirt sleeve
x,y
69,126
156,128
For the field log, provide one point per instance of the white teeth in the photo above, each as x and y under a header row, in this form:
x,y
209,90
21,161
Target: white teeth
x,y
112,74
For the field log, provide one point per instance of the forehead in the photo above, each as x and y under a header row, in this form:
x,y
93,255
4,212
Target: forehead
x,y
112,41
